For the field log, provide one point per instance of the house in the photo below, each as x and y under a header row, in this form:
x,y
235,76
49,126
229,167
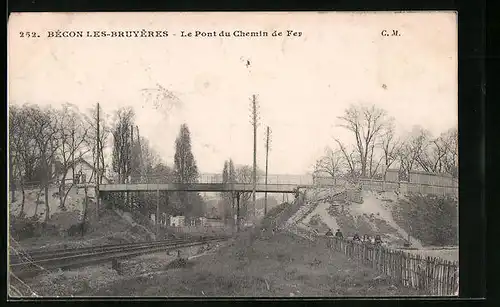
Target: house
x,y
83,171
162,221
177,221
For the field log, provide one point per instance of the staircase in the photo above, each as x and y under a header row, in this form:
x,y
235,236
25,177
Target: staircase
x,y
303,211
291,224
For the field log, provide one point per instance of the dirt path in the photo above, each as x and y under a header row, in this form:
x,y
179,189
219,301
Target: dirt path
x,y
277,265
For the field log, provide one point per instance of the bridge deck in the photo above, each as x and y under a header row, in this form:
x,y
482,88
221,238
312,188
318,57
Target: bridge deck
x,y
201,187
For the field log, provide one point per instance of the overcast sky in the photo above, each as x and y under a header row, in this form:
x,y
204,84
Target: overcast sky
x,y
303,83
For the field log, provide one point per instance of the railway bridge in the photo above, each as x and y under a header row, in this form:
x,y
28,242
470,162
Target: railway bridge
x,y
212,183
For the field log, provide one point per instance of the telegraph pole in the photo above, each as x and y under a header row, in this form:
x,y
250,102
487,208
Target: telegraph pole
x,y
254,123
132,156
140,152
267,155
98,169
157,215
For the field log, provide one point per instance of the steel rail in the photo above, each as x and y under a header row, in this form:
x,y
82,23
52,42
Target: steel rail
x,y
30,268
39,254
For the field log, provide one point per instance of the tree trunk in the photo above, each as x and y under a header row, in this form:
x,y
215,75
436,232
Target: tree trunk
x,y
61,193
12,191
23,198
85,209
66,194
37,201
363,166
47,207
11,179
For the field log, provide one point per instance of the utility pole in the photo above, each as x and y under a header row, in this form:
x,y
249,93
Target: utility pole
x,y
132,152
157,215
237,212
267,160
254,123
141,168
131,173
98,169
140,152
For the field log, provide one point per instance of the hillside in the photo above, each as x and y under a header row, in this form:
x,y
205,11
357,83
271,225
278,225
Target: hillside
x,y
35,201
30,231
428,219
433,219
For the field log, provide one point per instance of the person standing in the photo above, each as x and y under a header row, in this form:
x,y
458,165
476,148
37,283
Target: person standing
x,y
329,237
339,234
356,238
338,239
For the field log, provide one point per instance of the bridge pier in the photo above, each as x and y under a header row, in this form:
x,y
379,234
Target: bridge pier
x,y
238,212
157,215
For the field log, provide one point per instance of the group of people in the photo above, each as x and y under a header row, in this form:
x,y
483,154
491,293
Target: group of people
x,y
366,238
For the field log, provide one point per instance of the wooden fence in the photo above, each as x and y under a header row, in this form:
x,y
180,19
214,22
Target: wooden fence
x,y
405,187
434,276
198,229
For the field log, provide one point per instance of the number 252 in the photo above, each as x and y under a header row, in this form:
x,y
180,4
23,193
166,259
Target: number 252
x,y
28,34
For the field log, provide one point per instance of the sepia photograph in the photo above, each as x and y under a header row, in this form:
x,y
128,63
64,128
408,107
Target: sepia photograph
x,y
236,154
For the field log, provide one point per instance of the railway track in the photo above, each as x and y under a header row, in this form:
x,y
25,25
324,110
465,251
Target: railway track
x,y
40,260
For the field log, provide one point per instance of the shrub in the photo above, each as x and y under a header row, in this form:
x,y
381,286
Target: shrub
x,y
432,219
24,227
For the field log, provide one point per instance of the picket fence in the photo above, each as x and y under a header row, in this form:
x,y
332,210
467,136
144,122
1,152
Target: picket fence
x,y
434,276
408,187
197,229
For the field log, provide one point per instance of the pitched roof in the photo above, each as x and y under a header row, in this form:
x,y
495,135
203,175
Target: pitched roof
x,y
83,161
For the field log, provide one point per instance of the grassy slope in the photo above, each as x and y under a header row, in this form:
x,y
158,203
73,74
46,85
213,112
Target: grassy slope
x,y
279,265
430,219
433,219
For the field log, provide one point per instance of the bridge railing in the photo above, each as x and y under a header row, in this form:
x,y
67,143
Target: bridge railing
x,y
217,178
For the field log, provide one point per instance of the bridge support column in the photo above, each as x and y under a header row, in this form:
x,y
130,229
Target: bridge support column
x,y
237,211
157,215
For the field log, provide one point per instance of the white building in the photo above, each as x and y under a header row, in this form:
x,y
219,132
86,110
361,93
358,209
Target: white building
x,y
83,171
177,221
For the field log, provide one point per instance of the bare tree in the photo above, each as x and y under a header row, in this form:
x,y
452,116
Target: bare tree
x,y
350,158
15,139
44,132
366,124
92,142
71,137
149,159
23,153
412,150
390,148
331,163
244,174
450,159
440,155
431,158
122,146
122,143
